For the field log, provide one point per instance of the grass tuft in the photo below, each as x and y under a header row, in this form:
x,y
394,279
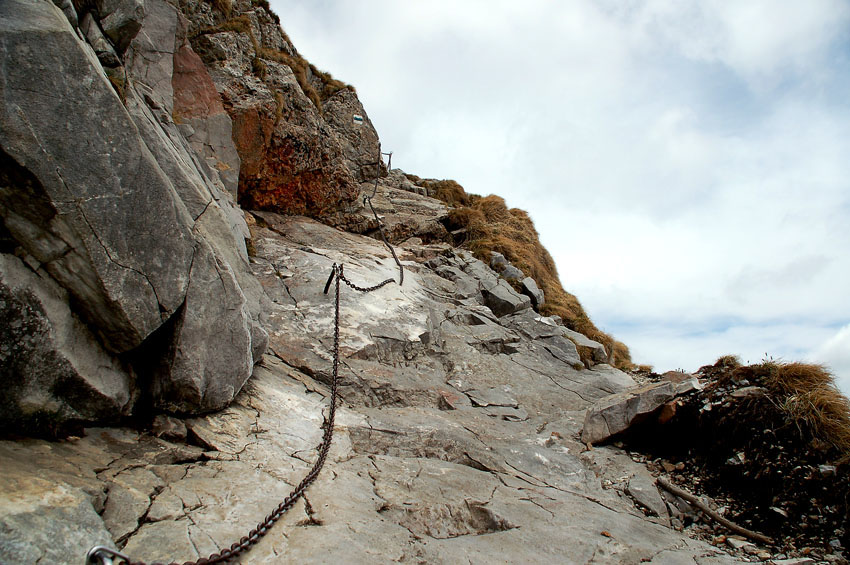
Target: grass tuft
x,y
223,6
804,392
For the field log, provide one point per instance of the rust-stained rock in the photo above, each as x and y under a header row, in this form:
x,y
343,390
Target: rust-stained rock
x,y
303,148
202,118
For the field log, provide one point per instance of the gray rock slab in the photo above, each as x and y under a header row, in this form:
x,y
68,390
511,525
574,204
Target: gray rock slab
x,y
47,522
641,487
615,413
495,396
530,289
83,223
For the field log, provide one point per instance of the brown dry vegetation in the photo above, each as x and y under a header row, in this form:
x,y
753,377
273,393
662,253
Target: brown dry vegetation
x,y
491,226
807,395
771,442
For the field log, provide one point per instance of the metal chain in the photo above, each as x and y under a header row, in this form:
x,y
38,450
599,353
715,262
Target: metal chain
x,y
105,555
101,555
368,200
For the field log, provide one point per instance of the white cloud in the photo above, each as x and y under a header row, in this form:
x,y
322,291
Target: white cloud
x,y
835,354
762,41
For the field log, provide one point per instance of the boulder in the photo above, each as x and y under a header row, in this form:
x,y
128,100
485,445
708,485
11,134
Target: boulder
x,y
530,289
143,238
504,300
121,20
615,413
498,261
511,273
210,356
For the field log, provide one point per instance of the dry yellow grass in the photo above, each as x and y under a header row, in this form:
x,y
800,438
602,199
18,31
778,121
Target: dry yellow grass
x,y
805,393
808,396
491,226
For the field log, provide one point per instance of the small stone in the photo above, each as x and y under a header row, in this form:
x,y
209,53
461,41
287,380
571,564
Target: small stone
x,y
779,511
737,543
677,524
169,427
511,273
748,391
827,470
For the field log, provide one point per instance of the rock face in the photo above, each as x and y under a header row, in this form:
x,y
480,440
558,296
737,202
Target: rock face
x,y
305,143
131,224
127,289
52,367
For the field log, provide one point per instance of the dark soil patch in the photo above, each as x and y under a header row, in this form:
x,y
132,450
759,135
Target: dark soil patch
x,y
772,473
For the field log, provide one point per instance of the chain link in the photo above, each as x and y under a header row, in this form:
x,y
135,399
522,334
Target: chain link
x,y
105,556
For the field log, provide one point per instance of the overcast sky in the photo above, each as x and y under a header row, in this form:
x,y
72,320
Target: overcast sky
x,y
687,164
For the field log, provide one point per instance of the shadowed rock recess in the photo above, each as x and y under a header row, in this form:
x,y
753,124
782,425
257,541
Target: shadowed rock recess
x,y
166,356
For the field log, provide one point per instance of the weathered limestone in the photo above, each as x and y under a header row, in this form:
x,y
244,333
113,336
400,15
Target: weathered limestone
x,y
301,152
132,224
51,368
457,432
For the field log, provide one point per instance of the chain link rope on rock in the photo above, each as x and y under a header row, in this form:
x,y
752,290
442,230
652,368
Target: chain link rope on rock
x,y
102,555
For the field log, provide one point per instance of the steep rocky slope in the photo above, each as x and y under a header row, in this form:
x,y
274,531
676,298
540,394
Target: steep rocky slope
x,y
138,294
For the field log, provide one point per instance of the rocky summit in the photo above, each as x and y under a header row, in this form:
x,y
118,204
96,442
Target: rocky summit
x,y
177,186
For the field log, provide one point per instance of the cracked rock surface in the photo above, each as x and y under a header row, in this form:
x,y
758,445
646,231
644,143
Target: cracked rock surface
x,y
104,202
444,449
